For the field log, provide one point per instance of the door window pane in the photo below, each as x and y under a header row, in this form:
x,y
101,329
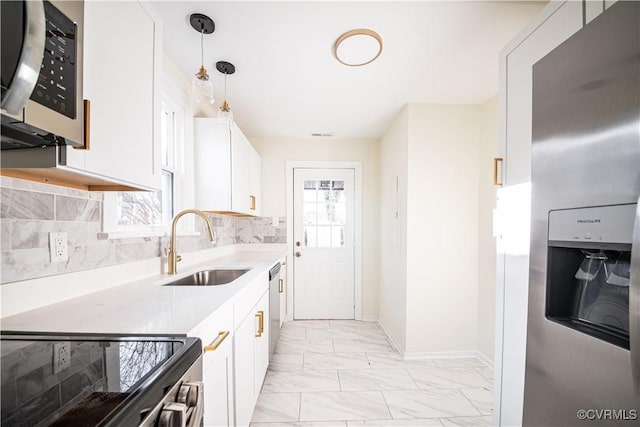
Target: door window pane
x,y
324,237
339,213
310,191
325,212
309,214
337,237
310,240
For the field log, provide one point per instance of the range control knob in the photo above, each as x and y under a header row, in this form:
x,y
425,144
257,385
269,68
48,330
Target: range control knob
x,y
188,394
191,394
173,415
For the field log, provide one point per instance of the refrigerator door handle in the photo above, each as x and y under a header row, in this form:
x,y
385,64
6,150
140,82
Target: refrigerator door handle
x,y
634,302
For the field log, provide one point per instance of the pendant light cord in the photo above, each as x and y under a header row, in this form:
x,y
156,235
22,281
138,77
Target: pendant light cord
x,y
202,46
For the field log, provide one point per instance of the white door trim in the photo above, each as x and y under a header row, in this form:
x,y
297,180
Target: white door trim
x,y
357,167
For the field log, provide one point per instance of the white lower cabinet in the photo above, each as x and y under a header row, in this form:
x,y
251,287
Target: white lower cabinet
x,y
217,374
251,357
235,340
261,348
216,334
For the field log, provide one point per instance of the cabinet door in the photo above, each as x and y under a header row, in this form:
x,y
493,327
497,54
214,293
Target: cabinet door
x,y
122,56
240,201
212,158
565,21
218,385
255,182
244,366
261,349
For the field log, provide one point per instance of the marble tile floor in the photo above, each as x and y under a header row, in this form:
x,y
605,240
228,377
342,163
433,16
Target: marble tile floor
x,y
345,373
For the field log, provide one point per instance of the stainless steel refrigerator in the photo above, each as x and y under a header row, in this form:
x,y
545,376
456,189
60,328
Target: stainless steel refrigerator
x,y
583,337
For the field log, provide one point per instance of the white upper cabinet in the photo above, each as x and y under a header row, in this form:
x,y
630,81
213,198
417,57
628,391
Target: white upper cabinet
x,y
517,85
255,182
122,59
228,170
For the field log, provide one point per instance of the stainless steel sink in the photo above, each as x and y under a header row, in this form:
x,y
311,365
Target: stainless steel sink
x,y
208,278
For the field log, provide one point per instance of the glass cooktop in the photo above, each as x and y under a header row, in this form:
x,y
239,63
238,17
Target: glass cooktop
x,y
66,380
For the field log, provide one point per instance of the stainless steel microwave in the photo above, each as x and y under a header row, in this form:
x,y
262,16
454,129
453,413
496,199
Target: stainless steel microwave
x,y
42,102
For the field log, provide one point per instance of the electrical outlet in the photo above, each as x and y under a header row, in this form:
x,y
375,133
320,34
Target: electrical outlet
x,y
58,247
61,356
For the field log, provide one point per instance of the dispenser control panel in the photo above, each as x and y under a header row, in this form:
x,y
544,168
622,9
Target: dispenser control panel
x,y
610,224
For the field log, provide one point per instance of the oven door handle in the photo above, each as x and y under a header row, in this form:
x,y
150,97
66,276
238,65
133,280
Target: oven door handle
x,y
634,303
28,70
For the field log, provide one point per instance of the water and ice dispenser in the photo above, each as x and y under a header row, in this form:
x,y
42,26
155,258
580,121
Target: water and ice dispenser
x,y
588,270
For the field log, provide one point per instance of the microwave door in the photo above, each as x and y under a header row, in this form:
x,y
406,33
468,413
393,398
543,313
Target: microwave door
x,y
23,42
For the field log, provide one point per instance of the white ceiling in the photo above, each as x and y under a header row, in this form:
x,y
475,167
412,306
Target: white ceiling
x,y
287,83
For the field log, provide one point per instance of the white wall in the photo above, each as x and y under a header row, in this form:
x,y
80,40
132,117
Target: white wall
x,y
393,230
275,153
442,248
438,259
486,241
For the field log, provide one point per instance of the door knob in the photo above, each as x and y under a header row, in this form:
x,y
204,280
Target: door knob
x,y
298,254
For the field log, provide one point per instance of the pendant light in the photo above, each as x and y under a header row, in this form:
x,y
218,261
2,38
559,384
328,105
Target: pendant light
x,y
201,85
225,68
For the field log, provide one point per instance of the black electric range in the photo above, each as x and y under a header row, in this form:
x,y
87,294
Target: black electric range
x,y
55,380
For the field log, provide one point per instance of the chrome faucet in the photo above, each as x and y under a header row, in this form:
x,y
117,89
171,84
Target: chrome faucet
x,y
174,258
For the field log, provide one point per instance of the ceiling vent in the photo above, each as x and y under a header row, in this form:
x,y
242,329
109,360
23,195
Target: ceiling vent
x,y
322,134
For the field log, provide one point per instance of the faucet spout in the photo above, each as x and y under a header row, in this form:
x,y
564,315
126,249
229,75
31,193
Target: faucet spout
x,y
173,256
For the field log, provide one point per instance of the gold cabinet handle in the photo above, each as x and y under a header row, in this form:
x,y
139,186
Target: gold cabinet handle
x,y
496,176
260,316
87,126
280,285
253,203
216,342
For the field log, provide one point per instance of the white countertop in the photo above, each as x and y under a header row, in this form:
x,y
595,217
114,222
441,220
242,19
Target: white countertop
x,y
144,307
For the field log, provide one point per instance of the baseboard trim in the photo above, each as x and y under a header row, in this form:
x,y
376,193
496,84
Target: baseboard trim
x,y
369,318
487,361
449,355
392,341
433,354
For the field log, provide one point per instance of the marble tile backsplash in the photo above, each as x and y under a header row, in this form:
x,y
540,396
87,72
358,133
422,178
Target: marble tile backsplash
x,y
29,211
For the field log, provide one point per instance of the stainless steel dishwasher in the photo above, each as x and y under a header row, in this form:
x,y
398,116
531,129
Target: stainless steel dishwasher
x,y
275,289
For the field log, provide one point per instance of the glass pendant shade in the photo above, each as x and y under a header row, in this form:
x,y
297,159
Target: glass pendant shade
x,y
225,111
202,88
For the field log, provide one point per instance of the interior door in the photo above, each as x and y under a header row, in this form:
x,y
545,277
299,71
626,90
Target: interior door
x,y
323,216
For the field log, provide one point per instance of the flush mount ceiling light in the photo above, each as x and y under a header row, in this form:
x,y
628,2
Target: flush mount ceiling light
x,y
225,68
357,47
201,86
